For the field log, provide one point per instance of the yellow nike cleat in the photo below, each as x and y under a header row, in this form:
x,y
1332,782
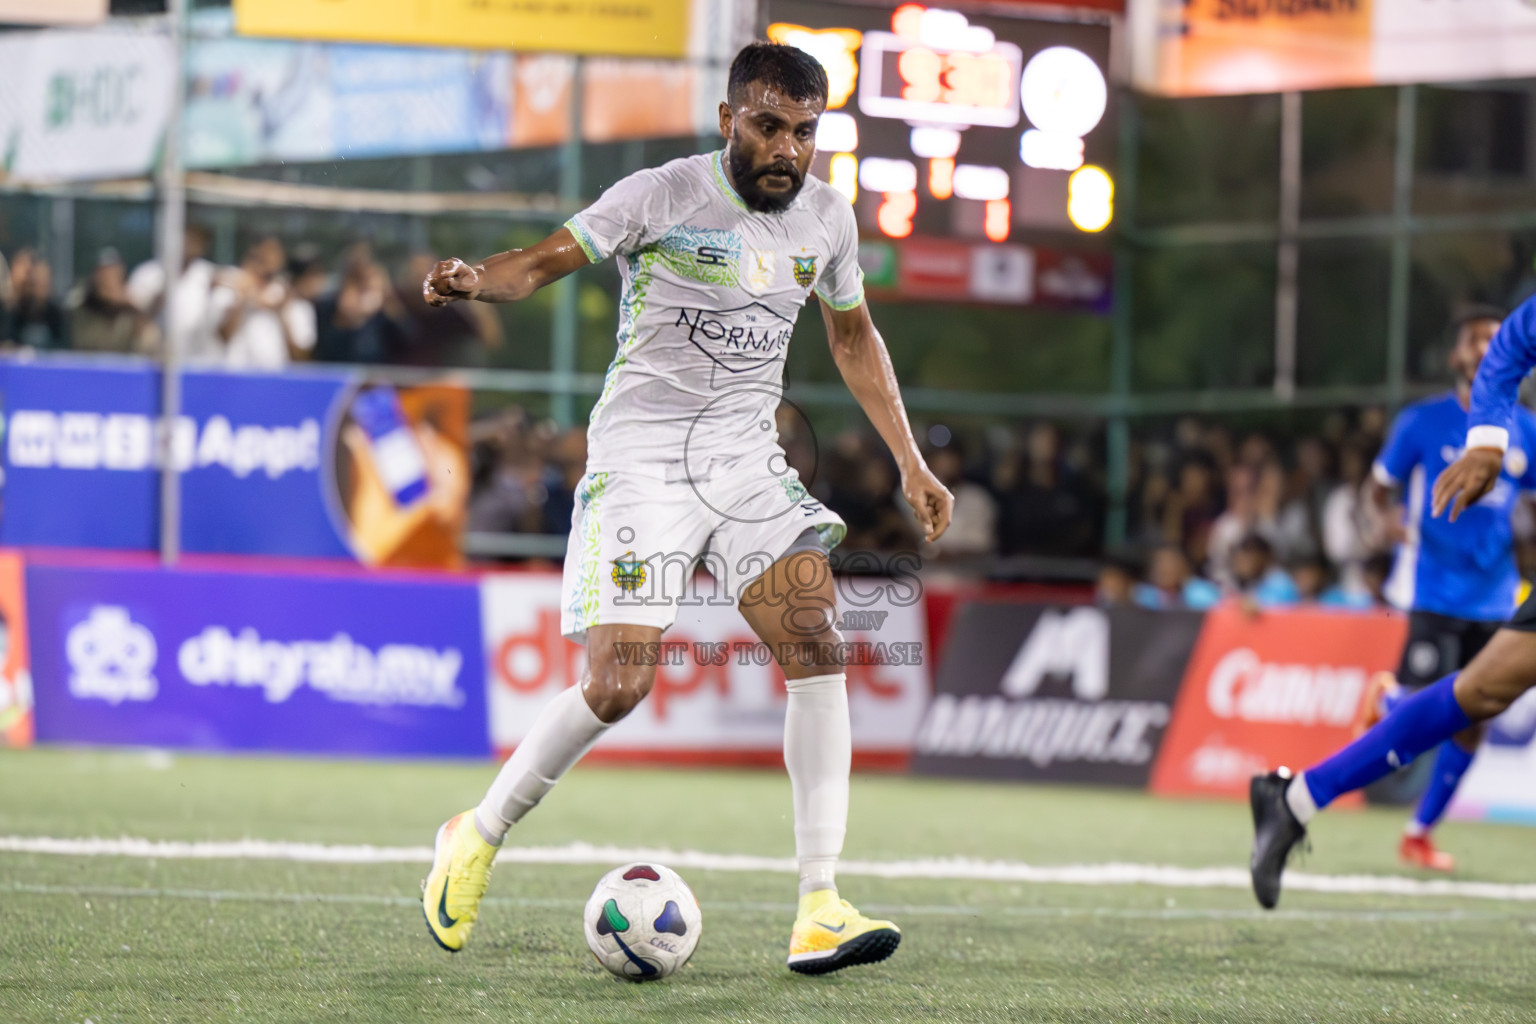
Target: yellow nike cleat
x,y
830,935
461,869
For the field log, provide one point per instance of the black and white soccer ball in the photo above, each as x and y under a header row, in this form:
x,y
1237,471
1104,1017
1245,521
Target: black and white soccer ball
x,y
642,922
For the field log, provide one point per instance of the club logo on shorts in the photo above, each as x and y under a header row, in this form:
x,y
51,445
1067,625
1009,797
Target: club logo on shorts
x,y
805,270
629,573
760,270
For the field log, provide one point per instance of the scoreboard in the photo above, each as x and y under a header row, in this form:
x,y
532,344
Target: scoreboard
x,y
943,124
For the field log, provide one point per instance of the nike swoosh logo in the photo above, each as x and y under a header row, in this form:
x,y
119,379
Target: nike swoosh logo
x,y
836,931
442,910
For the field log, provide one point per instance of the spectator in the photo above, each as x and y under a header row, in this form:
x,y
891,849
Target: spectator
x,y
307,272
562,476
261,322
1240,519
6,300
191,328
1192,510
1117,584
1347,523
1043,509
1310,574
508,489
1172,583
1257,578
36,319
103,318
360,321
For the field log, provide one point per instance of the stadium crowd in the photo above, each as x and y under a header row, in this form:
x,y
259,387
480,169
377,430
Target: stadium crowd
x,y
1210,512
274,308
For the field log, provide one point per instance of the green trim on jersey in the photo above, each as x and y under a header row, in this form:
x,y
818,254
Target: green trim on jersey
x,y
631,308
584,239
852,303
717,164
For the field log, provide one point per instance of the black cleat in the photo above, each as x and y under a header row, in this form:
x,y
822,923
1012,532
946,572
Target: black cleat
x,y
1275,834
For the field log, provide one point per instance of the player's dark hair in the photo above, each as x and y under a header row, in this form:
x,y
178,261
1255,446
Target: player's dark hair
x,y
1472,312
788,69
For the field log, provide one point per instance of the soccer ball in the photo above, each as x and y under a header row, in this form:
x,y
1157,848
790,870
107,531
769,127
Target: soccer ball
x,y
642,921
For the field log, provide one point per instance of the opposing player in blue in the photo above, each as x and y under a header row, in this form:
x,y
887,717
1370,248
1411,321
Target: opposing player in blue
x,y
1457,581
1505,669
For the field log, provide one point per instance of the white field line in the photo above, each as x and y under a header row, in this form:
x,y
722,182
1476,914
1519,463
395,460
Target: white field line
x,y
738,907
946,868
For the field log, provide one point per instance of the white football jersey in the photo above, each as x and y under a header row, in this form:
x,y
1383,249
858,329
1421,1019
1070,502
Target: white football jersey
x,y
711,292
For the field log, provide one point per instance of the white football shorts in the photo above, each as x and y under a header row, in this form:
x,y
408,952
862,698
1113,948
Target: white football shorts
x,y
638,535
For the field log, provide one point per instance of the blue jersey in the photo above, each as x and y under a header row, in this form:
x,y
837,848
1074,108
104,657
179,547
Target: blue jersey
x,y
1464,569
1496,391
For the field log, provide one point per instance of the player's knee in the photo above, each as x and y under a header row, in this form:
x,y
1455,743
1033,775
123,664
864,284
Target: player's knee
x,y
814,653
1484,691
613,689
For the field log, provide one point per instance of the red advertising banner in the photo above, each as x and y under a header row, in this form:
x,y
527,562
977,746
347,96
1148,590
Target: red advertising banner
x,y
1277,688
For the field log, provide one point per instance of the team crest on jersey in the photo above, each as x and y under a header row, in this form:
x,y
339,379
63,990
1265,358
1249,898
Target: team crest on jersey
x,y
1515,462
805,270
628,573
760,267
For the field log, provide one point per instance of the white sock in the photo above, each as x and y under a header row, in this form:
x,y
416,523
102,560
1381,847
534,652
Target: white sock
x,y
818,751
1415,829
1299,797
563,732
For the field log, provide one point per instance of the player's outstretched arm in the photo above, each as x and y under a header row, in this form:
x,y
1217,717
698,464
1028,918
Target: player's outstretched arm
x,y
862,359
1510,359
507,276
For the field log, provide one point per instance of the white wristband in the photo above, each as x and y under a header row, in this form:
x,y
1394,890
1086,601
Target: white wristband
x,y
1487,436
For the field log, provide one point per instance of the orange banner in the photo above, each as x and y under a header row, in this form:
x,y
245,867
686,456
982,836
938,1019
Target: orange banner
x,y
1277,688
15,660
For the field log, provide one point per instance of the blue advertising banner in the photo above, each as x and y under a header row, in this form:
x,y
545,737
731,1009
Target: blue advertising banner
x,y
254,469
82,458
243,661
80,455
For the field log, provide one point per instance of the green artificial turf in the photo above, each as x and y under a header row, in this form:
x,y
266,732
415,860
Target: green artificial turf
x,y
111,939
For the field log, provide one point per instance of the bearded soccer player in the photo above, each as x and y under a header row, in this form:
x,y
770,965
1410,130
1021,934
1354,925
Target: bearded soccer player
x,y
717,254
1501,672
1457,581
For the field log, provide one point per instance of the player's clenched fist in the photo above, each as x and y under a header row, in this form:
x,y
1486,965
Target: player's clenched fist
x,y
449,280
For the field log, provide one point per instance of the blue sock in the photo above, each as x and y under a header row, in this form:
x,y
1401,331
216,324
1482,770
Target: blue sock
x,y
1450,765
1419,722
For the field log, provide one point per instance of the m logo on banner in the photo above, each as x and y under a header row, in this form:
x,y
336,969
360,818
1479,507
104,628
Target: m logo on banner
x,y
1063,645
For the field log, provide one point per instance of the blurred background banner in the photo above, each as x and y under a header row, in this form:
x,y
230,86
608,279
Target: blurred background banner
x,y
265,101
244,661
1209,47
1076,694
644,28
719,697
53,12
1279,687
82,105
322,464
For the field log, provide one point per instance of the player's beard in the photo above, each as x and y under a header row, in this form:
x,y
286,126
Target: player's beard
x,y
746,179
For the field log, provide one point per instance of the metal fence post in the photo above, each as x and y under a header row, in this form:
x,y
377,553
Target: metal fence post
x,y
169,250
1402,244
